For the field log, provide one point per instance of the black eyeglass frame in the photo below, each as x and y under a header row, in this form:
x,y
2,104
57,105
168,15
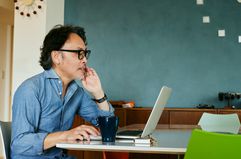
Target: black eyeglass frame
x,y
85,53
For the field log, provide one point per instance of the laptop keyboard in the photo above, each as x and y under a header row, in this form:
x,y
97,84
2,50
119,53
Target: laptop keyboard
x,y
130,132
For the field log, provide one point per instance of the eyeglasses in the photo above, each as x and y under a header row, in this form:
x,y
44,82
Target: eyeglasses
x,y
81,53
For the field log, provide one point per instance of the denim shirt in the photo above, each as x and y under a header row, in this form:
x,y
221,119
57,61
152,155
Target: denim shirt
x,y
39,109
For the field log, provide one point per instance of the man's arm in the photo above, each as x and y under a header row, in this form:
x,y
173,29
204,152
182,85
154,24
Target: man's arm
x,y
25,119
71,136
92,84
102,105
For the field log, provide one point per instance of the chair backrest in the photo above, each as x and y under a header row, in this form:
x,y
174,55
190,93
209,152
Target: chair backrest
x,y
209,145
5,138
228,123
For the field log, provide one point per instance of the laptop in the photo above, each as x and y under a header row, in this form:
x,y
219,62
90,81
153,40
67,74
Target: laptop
x,y
153,119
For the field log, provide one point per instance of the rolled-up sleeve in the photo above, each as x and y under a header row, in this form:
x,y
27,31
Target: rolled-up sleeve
x,y
89,110
26,139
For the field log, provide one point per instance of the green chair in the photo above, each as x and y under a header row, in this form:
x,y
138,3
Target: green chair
x,y
210,145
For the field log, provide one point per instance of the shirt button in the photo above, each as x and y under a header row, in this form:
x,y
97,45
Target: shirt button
x,y
60,93
59,82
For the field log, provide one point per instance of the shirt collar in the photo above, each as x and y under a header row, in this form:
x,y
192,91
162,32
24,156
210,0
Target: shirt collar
x,y
51,73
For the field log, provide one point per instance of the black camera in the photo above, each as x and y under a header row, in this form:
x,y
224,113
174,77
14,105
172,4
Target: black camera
x,y
228,96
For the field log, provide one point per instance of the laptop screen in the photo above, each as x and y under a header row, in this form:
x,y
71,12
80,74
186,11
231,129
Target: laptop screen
x,y
157,111
154,117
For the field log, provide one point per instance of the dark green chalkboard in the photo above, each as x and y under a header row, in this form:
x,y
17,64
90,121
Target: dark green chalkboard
x,y
139,45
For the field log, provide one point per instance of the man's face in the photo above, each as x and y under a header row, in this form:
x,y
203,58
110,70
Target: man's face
x,y
71,66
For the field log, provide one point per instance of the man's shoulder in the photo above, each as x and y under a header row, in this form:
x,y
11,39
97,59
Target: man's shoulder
x,y
36,78
33,82
46,74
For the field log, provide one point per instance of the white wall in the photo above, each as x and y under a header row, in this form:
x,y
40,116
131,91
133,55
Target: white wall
x,y
55,16
28,37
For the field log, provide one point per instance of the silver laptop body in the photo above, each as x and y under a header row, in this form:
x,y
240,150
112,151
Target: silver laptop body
x,y
153,119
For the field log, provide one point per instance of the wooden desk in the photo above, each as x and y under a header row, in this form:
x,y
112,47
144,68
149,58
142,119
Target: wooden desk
x,y
170,140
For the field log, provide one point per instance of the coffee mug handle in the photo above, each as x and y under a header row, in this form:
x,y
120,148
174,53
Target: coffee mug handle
x,y
97,122
117,122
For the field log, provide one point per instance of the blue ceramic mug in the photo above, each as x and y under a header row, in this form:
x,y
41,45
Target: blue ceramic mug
x,y
108,127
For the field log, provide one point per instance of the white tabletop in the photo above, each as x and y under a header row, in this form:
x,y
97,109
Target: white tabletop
x,y
168,141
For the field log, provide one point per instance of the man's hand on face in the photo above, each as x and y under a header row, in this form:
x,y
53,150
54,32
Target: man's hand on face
x,y
91,83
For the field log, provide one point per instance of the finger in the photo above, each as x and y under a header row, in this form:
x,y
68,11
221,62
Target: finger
x,y
87,142
85,135
85,132
74,137
79,137
88,71
95,130
90,129
93,72
75,141
98,129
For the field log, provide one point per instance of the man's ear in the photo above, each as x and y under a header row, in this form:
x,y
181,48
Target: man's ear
x,y
55,57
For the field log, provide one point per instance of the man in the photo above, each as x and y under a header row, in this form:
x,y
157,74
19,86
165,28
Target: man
x,y
44,105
